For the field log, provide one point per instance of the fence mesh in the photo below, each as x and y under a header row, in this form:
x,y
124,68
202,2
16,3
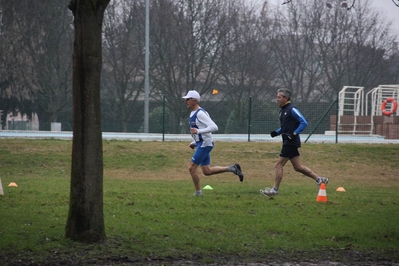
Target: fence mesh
x,y
246,116
250,117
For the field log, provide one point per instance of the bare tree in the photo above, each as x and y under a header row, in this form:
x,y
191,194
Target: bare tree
x,y
355,46
123,75
187,40
10,97
39,41
343,3
85,218
298,62
247,65
322,49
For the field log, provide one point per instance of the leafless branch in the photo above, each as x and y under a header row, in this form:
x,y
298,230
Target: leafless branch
x,y
353,4
345,4
289,1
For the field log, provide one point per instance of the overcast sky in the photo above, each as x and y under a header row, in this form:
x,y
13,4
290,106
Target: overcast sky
x,y
385,6
389,8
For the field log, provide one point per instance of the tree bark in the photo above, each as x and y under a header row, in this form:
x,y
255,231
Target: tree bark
x,y
85,218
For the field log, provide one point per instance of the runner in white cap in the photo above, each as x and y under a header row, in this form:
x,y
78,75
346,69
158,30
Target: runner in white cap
x,y
201,128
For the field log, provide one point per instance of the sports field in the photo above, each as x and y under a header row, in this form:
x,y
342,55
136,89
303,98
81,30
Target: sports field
x,y
152,219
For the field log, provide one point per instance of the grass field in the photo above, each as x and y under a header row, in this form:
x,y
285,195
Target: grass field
x,y
150,212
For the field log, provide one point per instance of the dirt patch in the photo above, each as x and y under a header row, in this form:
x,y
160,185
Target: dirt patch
x,y
280,258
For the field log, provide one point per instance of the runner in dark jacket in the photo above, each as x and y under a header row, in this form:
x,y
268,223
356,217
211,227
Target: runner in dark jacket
x,y
292,123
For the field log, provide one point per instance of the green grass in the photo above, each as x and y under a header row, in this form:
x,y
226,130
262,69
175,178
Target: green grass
x,y
149,210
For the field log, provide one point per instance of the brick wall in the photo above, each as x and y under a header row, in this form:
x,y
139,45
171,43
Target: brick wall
x,y
387,126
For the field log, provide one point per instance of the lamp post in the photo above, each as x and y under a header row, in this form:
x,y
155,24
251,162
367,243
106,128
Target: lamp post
x,y
147,59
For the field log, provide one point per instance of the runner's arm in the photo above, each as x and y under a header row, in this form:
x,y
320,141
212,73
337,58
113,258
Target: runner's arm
x,y
206,123
300,118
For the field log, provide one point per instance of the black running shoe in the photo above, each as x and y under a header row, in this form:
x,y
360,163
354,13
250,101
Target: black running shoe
x,y
238,172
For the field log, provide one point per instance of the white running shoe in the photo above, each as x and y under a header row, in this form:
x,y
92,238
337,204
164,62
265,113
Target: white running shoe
x,y
322,180
270,192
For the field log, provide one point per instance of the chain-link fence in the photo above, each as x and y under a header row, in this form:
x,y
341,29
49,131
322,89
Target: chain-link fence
x,y
247,116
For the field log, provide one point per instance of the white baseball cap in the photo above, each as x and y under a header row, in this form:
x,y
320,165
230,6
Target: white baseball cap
x,y
192,94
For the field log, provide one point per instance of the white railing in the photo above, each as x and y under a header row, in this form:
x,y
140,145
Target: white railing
x,y
351,102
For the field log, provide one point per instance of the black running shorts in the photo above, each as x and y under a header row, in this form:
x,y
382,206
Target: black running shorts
x,y
289,151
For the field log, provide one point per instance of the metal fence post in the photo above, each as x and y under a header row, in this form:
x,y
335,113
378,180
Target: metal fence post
x,y
163,117
321,119
249,118
336,121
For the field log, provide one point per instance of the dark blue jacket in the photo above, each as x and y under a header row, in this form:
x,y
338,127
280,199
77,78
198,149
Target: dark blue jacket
x,y
291,120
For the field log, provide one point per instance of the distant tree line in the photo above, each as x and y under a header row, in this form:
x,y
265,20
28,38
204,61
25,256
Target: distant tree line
x,y
239,49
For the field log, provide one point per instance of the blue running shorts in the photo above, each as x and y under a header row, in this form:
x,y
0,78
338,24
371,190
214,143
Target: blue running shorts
x,y
202,156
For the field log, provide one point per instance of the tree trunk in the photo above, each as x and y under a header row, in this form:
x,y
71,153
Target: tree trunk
x,y
85,218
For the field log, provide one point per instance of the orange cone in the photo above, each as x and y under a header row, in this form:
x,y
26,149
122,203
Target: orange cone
x,y
322,196
12,184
